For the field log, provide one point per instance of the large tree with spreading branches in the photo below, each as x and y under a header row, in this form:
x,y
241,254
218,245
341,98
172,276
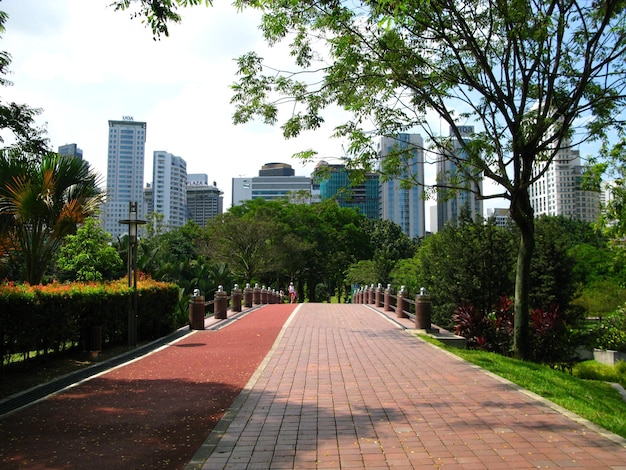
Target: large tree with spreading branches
x,y
532,76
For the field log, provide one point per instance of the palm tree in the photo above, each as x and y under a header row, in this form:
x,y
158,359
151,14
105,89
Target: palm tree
x,y
42,201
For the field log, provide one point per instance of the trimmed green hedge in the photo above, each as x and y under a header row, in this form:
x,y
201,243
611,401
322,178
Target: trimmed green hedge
x,y
43,319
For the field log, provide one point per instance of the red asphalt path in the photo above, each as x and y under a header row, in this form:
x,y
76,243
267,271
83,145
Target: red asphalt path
x,y
152,413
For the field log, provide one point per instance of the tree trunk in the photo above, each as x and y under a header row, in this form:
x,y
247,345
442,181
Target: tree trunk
x,y
523,215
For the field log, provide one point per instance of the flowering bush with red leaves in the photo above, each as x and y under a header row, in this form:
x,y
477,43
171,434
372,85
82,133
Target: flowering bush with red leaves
x,y
550,337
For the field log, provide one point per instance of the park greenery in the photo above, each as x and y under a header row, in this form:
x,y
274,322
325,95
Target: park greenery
x,y
534,77
543,67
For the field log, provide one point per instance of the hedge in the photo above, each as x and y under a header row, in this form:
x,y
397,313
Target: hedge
x,y
50,318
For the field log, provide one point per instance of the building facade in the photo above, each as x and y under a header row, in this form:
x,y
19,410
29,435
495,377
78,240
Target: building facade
x,y
169,179
558,190
125,173
71,150
284,186
204,201
335,184
404,205
449,209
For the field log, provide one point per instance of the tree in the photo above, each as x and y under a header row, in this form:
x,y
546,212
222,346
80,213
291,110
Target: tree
x,y
18,119
389,244
529,72
40,203
468,263
526,71
88,255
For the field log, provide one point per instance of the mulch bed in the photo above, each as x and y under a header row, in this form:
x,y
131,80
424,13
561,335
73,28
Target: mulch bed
x,y
152,413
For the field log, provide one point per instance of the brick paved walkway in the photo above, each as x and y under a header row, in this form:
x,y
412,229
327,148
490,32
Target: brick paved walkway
x,y
345,388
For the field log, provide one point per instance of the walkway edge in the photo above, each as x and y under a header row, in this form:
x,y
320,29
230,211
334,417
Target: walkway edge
x,y
210,443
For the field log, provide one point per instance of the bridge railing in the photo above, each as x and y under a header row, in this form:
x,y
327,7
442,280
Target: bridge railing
x,y
200,308
418,308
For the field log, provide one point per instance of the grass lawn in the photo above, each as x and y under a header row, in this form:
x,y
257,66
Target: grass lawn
x,y
594,400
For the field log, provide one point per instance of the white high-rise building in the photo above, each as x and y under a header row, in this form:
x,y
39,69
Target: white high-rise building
x,y
169,183
558,191
464,200
404,206
125,170
275,181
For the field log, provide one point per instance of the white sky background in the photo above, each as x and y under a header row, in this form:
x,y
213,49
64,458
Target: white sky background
x,y
84,64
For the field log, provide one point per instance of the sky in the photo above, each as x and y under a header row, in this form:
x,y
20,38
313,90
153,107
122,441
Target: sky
x,y
84,64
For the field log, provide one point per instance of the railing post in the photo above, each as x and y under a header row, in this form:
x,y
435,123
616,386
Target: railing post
x,y
235,299
196,311
220,304
379,295
423,309
263,295
271,298
247,296
372,294
387,301
256,295
401,307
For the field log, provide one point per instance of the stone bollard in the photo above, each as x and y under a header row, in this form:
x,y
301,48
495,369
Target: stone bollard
x,y
402,304
387,300
247,296
423,309
220,304
196,311
256,295
379,295
235,297
263,295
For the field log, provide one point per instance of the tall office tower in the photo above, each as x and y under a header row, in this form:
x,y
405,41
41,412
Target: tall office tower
x,y
468,201
169,181
71,150
404,206
127,139
335,184
558,191
204,201
283,186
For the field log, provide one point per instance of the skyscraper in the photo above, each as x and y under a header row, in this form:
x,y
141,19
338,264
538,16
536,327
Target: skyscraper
x,y
404,205
125,169
336,185
169,179
464,200
558,191
71,150
204,202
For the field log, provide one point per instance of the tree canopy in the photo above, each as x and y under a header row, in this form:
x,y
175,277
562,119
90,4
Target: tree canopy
x,y
532,76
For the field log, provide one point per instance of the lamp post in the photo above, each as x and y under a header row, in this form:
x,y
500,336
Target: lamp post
x,y
133,222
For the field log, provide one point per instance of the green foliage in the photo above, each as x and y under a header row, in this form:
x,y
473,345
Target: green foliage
x,y
362,273
601,297
389,245
469,263
610,332
41,202
89,256
19,119
48,319
157,14
593,370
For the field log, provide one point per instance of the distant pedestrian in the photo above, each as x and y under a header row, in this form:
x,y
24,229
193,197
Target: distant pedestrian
x,y
293,295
